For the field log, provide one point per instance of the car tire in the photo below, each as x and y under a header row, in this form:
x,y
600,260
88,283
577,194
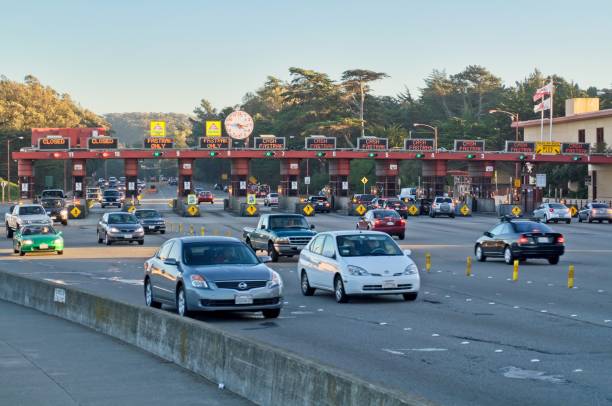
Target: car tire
x,y
479,255
307,290
65,223
452,216
271,313
21,253
339,292
508,257
9,231
140,242
181,303
589,219
272,252
401,236
107,240
162,231
250,245
579,219
568,221
553,260
148,291
99,238
410,297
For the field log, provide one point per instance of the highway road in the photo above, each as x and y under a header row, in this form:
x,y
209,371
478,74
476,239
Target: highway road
x,y
482,339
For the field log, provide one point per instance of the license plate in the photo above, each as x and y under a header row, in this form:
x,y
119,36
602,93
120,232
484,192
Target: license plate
x,y
151,227
43,246
53,217
389,285
127,235
543,239
244,299
390,223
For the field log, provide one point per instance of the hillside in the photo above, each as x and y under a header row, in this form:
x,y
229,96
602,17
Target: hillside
x,y
131,128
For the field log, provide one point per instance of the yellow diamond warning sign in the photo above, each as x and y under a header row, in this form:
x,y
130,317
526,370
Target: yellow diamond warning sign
x,y
517,211
131,209
573,210
76,212
413,210
360,209
308,210
364,180
251,209
192,210
465,210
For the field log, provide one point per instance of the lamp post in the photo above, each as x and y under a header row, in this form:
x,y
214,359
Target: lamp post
x,y
513,116
8,163
435,130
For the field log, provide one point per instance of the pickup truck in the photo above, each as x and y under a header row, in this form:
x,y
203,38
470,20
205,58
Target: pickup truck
x,y
52,193
22,214
279,235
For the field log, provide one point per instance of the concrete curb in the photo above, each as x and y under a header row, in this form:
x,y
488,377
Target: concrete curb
x,y
256,371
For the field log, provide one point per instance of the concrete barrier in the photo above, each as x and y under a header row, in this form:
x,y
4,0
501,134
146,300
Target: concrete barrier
x,y
256,371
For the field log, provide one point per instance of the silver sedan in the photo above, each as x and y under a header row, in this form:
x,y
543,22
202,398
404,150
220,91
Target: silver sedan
x,y
211,274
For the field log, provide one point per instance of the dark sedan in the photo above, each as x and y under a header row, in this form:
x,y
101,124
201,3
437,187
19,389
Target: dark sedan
x,y
520,239
120,226
320,204
151,220
56,209
395,204
211,274
424,205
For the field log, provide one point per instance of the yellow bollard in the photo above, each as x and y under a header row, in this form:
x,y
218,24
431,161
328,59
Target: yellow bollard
x,y
570,277
180,227
515,271
191,230
202,231
428,262
228,233
468,268
216,232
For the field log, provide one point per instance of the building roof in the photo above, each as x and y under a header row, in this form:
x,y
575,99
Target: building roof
x,y
566,119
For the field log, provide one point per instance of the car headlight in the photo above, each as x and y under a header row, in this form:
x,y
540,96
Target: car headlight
x,y
198,281
275,281
64,213
411,270
283,240
113,230
58,241
27,242
357,271
140,229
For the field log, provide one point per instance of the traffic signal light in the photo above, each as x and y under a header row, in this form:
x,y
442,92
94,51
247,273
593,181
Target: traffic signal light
x,y
56,155
470,156
106,155
213,153
269,153
372,155
522,157
320,154
419,155
576,158
157,154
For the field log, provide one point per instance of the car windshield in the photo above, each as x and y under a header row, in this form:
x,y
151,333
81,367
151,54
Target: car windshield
x,y
531,227
218,253
367,245
318,199
122,218
31,210
49,203
288,222
111,193
146,214
53,193
366,198
443,200
273,194
32,230
557,206
599,206
381,214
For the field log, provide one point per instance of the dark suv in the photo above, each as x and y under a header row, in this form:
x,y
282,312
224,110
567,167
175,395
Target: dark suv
x,y
56,209
111,197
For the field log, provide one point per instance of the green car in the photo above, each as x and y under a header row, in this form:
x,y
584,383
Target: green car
x,y
37,238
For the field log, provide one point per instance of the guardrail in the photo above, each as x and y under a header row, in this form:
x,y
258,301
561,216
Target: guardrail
x,y
261,373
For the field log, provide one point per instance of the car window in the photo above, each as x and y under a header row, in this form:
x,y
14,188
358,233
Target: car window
x,y
328,247
287,222
530,227
122,218
175,251
317,245
363,245
146,214
165,250
497,229
203,253
507,229
599,206
32,230
443,200
381,214
111,193
556,206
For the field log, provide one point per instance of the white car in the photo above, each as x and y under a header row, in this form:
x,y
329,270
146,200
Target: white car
x,y
555,212
271,199
357,263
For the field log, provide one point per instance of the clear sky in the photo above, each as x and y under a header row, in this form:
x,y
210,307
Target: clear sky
x,y
164,56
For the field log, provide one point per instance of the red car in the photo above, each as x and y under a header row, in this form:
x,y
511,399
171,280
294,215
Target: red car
x,y
206,197
387,221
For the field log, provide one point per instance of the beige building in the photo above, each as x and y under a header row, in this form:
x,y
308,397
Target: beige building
x,y
583,122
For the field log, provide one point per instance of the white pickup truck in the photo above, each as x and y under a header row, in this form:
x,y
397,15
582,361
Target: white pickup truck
x,y
22,214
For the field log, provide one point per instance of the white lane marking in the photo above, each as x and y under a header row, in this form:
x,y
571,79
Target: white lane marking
x,y
302,306
407,328
447,296
519,373
577,370
427,349
489,277
535,360
134,282
319,310
607,321
58,281
465,342
468,300
543,311
573,315
529,282
491,303
516,307
301,312
382,323
600,291
435,335
392,351
499,350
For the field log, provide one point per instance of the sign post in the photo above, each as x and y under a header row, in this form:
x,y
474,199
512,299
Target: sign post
x,y
364,180
3,184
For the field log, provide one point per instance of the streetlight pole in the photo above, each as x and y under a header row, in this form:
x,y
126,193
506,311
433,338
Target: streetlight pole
x,y
8,164
435,130
515,118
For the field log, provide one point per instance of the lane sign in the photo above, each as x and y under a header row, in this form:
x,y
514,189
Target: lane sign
x,y
413,210
76,212
131,209
308,210
573,211
360,209
548,148
158,129
516,210
193,210
465,210
213,128
251,209
364,180
192,199
251,199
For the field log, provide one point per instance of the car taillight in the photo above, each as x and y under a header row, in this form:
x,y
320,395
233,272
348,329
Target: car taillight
x,y
523,240
560,239
403,222
551,210
594,211
378,222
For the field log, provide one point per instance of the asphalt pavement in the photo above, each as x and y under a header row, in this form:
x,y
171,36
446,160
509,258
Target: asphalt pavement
x,y
482,339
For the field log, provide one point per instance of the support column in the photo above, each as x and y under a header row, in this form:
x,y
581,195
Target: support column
x,y
79,167
339,171
185,172
290,175
239,174
131,177
434,178
386,177
25,172
480,178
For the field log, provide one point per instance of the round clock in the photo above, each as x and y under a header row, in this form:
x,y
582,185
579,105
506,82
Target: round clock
x,y
239,125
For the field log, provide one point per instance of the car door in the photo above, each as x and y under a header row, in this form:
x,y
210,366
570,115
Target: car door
x,y
538,212
259,234
313,260
101,227
162,288
488,242
173,272
504,235
328,264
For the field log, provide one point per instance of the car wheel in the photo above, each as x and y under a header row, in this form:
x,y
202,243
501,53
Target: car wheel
x,y
579,219
162,231
107,240
553,260
140,242
589,219
181,303
21,253
9,231
568,221
272,252
248,242
99,238
60,252
401,236
148,291
508,257
479,255
410,297
339,292
452,216
600,221
65,222
305,285
271,313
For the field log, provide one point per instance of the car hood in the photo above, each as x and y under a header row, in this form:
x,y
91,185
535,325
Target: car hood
x,y
216,273
380,264
294,232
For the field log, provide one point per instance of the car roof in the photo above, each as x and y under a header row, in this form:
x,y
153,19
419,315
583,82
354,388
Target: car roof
x,y
30,205
211,239
351,232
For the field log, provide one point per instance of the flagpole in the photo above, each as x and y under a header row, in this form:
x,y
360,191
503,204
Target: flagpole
x,y
542,122
552,91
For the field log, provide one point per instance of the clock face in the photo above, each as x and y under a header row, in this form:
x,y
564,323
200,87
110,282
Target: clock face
x,y
239,125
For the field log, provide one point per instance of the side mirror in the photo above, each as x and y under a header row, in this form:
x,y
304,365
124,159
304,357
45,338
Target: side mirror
x,y
263,227
60,234
312,226
265,258
171,261
407,252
